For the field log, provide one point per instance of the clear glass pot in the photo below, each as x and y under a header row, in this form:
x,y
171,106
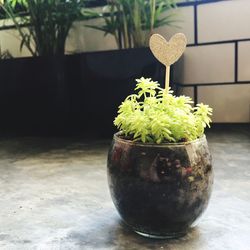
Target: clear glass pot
x,y
160,190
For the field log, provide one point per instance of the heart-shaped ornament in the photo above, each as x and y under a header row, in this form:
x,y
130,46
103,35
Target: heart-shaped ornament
x,y
168,52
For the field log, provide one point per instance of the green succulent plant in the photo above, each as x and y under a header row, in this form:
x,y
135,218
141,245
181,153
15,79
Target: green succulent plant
x,y
154,115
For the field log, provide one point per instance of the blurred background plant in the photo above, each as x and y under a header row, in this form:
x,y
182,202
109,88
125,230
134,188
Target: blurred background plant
x,y
43,25
132,21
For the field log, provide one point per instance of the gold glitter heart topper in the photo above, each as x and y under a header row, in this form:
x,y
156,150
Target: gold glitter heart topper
x,y
168,52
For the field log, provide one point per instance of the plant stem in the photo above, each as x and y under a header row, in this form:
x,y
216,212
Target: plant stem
x,y
125,29
152,21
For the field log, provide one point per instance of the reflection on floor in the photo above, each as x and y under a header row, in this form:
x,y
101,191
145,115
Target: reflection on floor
x,y
54,195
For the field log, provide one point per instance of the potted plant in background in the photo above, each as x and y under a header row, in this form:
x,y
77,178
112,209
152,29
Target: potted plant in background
x,y
54,90
131,22
36,96
43,25
159,166
111,72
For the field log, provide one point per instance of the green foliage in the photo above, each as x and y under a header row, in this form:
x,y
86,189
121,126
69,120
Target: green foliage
x,y
43,25
132,21
155,115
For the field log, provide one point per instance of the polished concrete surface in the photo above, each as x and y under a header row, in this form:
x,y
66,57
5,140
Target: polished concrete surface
x,y
54,195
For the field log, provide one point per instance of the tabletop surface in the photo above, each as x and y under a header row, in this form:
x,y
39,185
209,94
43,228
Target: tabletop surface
x,y
54,195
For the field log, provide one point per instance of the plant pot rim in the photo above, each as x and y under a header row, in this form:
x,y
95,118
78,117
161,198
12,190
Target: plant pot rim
x,y
116,137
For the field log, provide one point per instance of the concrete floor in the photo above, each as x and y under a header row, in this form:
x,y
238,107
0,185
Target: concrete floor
x,y
54,195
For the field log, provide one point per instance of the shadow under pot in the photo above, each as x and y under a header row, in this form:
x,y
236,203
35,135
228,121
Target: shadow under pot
x,y
160,190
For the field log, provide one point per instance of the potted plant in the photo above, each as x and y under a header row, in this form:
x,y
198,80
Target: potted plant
x,y
37,97
51,90
130,22
43,25
159,166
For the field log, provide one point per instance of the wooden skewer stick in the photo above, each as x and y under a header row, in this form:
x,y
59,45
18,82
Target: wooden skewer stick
x,y
167,78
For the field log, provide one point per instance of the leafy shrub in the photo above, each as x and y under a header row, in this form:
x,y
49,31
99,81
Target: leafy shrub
x,y
155,115
43,25
131,22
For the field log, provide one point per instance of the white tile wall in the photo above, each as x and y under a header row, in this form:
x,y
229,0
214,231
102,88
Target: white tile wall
x,y
82,38
244,61
206,64
188,91
226,20
9,40
231,103
184,23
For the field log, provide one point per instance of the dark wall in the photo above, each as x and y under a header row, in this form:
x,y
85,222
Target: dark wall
x,y
75,94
